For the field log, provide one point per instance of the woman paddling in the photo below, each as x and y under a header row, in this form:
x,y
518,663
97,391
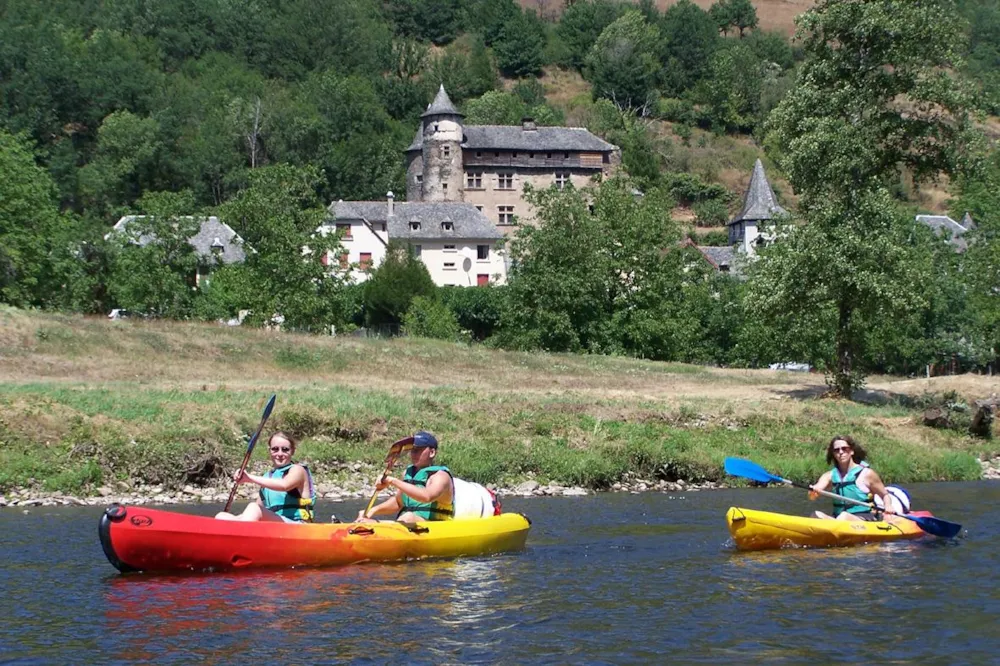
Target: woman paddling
x,y
850,478
286,492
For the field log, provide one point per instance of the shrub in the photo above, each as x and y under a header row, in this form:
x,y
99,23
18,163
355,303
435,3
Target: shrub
x,y
711,213
430,318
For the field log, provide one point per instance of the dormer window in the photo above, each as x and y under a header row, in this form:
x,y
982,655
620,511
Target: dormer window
x,y
447,225
446,151
217,247
414,225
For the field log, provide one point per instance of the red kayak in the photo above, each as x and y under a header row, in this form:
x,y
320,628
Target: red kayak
x,y
135,538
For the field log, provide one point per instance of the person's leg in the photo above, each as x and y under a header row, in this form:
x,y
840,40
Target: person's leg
x,y
847,515
409,518
270,516
250,514
820,514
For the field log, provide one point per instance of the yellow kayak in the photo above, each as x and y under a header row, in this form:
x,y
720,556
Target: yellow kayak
x,y
762,530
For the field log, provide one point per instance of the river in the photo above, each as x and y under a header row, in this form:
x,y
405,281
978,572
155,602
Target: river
x,y
605,579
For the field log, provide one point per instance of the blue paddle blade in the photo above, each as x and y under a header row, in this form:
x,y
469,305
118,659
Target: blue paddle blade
x,y
263,419
935,526
750,470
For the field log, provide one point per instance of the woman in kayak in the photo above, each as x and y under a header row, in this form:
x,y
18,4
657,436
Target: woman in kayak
x,y
426,491
851,478
286,492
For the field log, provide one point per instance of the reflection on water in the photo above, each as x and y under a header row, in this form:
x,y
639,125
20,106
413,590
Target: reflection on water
x,y
608,579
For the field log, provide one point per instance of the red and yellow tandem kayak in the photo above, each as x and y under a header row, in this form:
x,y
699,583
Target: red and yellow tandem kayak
x,y
762,530
135,538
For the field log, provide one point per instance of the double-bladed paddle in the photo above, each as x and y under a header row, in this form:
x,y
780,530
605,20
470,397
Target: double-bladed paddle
x,y
751,470
395,451
250,445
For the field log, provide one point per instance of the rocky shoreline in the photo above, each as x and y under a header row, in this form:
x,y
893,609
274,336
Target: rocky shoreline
x,y
122,493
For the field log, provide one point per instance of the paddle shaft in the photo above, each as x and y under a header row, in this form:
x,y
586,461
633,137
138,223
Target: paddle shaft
x,y
389,463
250,445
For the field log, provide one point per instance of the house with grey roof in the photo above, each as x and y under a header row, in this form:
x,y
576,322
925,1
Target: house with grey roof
x,y
948,229
215,242
749,229
455,240
489,165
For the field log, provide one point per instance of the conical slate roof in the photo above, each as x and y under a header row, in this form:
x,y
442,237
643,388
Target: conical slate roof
x,y
759,202
441,106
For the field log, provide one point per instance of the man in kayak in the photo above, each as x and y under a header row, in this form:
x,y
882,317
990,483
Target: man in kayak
x,y
852,478
426,490
286,494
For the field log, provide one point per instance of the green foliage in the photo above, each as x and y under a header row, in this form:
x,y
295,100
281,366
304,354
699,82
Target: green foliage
x,y
689,189
870,97
690,37
734,14
437,21
277,214
476,310
733,93
711,213
430,318
392,286
520,45
464,72
623,65
581,24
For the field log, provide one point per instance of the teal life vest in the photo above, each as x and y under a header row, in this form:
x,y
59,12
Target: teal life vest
x,y
289,504
438,510
847,486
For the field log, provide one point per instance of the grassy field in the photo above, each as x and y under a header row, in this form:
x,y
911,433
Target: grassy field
x,y
87,401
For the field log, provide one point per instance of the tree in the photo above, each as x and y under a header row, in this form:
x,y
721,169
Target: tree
x,y
690,38
733,91
582,23
28,219
623,64
879,88
277,215
393,285
519,47
739,14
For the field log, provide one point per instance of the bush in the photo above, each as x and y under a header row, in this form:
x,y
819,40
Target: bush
x,y
430,318
688,189
711,213
675,110
476,309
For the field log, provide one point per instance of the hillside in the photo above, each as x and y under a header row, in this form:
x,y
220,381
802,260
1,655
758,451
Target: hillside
x,y
88,401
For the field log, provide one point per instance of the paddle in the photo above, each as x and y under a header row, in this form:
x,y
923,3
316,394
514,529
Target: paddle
x,y
395,451
754,472
253,440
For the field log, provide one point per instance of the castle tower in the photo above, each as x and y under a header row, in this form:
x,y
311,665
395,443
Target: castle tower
x,y
442,150
747,230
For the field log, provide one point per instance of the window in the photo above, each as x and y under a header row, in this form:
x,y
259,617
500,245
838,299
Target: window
x,y
449,265
606,158
446,151
420,178
505,181
531,155
382,227
343,260
435,127
548,156
479,153
562,179
505,214
479,208
366,261
447,225
474,180
444,187
482,279
344,230
414,225
566,155
449,248
482,252
416,250
514,155
496,154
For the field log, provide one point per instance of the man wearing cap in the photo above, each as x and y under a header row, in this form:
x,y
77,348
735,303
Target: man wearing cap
x,y
426,490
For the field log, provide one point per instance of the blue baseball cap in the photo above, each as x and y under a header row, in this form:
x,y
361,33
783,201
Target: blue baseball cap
x,y
423,438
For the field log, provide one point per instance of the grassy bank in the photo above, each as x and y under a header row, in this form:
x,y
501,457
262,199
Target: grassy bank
x,y
86,401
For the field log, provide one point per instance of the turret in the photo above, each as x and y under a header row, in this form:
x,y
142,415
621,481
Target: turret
x,y
441,150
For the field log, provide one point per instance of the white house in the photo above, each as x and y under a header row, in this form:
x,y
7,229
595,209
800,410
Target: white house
x,y
456,241
949,229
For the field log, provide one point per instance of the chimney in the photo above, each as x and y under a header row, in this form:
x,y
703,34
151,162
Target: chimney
x,y
389,198
528,124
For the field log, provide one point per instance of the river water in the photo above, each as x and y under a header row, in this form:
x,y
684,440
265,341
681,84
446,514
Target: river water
x,y
605,579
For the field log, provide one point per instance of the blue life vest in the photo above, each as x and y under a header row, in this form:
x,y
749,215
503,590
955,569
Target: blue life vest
x,y
847,486
438,510
289,504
